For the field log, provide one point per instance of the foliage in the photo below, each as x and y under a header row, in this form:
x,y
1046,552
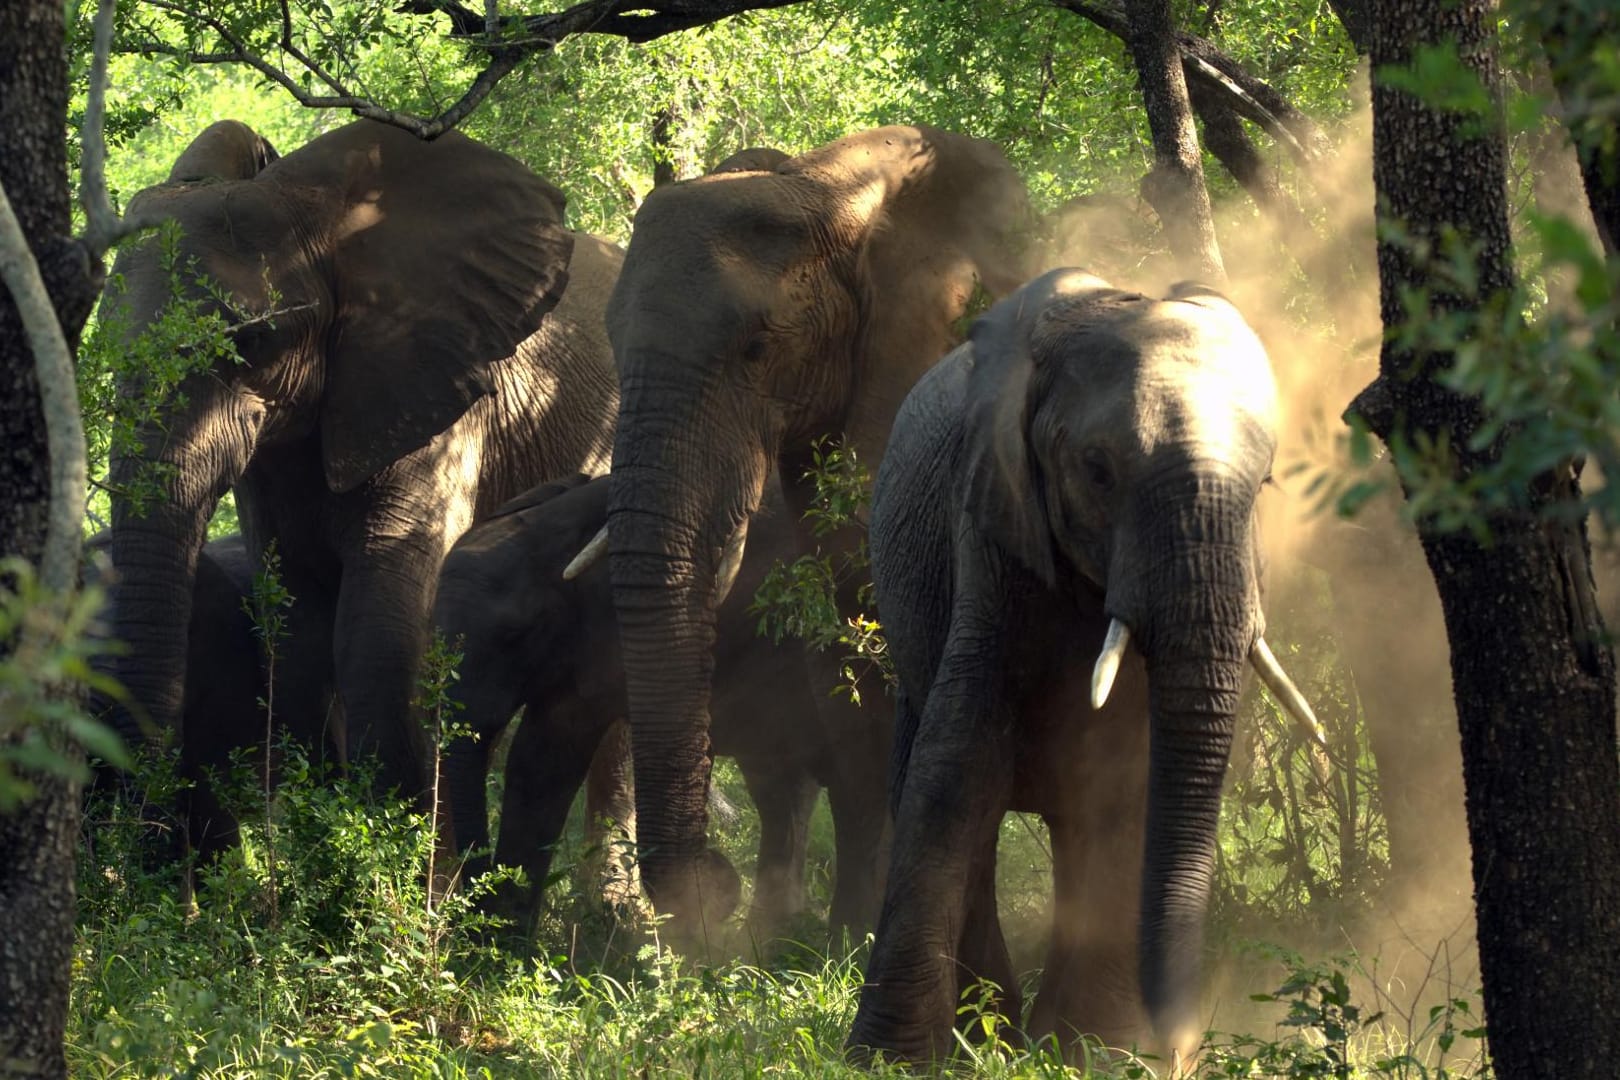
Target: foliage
x,y
131,377
46,650
802,599
359,977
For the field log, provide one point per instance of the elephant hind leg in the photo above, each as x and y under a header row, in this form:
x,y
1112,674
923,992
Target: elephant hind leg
x,y
785,799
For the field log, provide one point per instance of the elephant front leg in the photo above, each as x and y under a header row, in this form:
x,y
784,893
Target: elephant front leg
x,y
550,755
956,789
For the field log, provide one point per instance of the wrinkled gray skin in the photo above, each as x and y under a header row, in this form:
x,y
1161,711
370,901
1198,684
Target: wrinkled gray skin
x,y
758,311
534,640
1089,454
434,355
225,681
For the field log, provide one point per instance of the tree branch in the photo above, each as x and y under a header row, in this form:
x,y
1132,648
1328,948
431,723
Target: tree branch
x,y
1208,67
103,226
509,41
59,402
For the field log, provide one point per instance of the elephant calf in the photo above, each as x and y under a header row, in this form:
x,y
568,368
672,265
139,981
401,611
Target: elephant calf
x,y
1070,493
533,640
225,680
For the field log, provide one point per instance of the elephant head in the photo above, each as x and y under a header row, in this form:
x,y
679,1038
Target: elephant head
x,y
756,311
1114,446
372,280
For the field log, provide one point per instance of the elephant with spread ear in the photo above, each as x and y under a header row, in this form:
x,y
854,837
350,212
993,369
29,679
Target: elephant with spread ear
x,y
1064,552
421,339
757,311
536,637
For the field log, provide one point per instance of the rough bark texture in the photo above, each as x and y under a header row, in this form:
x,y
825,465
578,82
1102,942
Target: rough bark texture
x,y
1538,737
1175,186
37,842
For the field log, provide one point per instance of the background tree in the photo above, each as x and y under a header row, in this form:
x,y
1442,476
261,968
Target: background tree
x,y
1531,671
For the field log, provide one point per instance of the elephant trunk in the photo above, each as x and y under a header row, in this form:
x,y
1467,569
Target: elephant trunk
x,y
674,507
1196,637
184,470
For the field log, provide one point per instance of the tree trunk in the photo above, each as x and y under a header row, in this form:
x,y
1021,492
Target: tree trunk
x,y
37,842
1175,185
1534,688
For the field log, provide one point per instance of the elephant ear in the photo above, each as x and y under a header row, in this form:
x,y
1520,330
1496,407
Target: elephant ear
x,y
1000,486
447,255
224,150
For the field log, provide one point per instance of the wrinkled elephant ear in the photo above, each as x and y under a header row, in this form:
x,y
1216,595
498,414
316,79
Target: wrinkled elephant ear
x,y
448,255
999,484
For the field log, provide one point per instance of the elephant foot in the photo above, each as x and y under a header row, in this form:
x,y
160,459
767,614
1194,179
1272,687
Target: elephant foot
x,y
698,898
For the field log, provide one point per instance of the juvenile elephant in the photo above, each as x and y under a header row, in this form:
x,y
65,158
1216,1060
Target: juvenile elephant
x,y
758,311
1071,493
421,340
535,640
225,682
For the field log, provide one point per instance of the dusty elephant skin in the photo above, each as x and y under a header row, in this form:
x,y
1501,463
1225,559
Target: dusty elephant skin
x,y
430,355
1089,460
757,311
534,640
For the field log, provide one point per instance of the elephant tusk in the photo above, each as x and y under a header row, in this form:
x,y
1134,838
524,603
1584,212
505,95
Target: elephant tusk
x,y
1113,651
1278,682
588,556
730,563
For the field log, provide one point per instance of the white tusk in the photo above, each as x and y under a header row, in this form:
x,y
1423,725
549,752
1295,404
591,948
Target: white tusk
x,y
588,556
1286,693
1113,651
730,563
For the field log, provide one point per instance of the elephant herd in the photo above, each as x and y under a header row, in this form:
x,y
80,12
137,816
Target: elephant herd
x,y
452,411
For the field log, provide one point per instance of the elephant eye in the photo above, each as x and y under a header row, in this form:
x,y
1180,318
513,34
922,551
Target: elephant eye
x,y
1099,472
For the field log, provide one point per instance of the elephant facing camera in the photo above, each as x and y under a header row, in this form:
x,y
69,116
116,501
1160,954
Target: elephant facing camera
x,y
1065,559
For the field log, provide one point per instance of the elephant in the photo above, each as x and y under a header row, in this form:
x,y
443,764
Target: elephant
x,y
226,680
1076,483
534,639
758,311
412,356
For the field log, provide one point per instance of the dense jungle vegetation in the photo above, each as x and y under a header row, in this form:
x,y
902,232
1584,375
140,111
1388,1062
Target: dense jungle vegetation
x,y
1342,936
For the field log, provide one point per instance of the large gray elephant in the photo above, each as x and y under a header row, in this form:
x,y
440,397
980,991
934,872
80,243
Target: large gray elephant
x,y
421,340
757,311
1064,552
535,640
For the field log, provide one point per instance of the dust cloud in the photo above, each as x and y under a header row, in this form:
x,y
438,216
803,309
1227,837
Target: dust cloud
x,y
1363,582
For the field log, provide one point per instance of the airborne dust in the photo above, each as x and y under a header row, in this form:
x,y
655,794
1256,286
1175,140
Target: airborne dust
x,y
1351,606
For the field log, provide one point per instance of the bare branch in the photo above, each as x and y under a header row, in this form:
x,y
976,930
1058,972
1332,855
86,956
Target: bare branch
x,y
59,402
103,226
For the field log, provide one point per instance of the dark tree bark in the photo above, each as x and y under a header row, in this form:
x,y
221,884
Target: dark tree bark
x,y
37,842
1353,16
1534,686
1175,185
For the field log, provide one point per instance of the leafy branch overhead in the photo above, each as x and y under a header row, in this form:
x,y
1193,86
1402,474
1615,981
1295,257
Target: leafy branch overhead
x,y
298,45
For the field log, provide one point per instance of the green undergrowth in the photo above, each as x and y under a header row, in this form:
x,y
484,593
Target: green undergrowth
x,y
346,969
